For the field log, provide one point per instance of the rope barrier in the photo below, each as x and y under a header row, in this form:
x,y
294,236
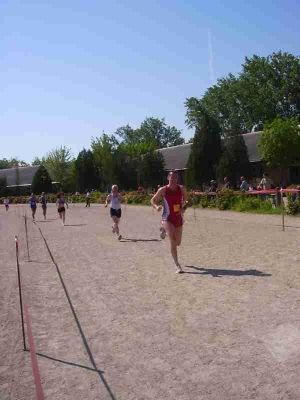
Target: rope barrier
x,y
20,291
34,363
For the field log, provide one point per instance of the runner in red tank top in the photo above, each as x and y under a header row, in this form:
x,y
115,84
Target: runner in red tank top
x,y
173,196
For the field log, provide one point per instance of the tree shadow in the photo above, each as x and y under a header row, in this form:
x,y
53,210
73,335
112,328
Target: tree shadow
x,y
217,273
128,240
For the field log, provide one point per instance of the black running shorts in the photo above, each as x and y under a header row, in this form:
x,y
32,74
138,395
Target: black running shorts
x,y
115,213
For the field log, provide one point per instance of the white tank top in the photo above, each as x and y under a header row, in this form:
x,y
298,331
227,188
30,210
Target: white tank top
x,y
115,201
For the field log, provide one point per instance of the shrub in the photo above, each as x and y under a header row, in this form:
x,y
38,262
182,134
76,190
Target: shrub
x,y
225,199
248,204
293,206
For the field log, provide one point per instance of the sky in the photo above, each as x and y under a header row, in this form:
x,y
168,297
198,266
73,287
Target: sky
x,y
73,69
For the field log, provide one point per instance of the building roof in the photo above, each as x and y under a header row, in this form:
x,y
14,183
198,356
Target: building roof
x,y
176,157
26,175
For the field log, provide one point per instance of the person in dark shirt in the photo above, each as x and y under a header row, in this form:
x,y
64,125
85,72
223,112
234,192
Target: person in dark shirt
x,y
32,202
43,201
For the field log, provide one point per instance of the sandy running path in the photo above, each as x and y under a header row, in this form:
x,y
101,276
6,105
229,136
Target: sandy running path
x,y
227,329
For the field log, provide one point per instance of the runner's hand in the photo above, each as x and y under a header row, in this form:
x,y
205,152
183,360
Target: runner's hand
x,y
159,208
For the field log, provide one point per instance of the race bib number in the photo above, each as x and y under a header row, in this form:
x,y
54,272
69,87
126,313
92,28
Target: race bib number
x,y
176,207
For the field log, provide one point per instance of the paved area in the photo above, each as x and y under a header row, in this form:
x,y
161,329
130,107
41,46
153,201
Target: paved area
x,y
112,321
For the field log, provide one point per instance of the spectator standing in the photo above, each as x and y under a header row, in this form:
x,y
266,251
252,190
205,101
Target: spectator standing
x,y
226,183
244,184
213,186
266,183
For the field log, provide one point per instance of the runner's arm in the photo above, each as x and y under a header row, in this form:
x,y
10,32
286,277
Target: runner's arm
x,y
186,200
107,200
157,198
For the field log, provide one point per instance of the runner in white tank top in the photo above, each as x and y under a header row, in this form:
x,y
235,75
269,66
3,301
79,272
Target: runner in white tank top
x,y
115,209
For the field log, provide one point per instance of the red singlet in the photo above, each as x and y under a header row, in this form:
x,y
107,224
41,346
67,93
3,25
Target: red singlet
x,y
172,206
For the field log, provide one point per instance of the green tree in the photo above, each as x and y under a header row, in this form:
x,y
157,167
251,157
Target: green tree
x,y
58,162
125,169
16,162
3,184
234,161
279,143
36,161
153,132
87,174
206,147
104,149
13,162
163,135
151,169
265,88
42,181
4,164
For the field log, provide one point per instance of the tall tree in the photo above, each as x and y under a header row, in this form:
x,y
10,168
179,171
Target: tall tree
x,y
125,169
279,143
36,161
104,149
13,162
42,181
4,164
58,162
234,161
16,162
206,147
3,184
265,88
153,131
151,169
87,172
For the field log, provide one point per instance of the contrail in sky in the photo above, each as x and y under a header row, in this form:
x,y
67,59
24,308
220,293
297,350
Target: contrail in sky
x,y
211,59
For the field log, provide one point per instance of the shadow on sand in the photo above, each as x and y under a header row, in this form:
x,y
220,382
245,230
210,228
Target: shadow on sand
x,y
217,273
76,225
128,240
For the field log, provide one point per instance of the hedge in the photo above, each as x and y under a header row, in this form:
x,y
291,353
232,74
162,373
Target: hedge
x,y
223,200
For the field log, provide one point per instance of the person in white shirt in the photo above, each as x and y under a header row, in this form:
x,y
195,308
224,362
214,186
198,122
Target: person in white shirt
x,y
6,204
266,183
115,209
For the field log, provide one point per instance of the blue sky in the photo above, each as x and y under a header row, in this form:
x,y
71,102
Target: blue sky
x,y
70,70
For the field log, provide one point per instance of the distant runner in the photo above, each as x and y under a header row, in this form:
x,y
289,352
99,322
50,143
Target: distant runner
x,y
173,196
43,201
115,209
88,199
32,202
6,204
60,204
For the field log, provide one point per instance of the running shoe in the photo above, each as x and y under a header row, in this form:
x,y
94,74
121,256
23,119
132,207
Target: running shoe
x,y
119,237
179,269
163,233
